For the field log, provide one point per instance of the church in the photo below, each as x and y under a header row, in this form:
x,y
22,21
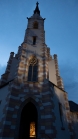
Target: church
x,y
33,102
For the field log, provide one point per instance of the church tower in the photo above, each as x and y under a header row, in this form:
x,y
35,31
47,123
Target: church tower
x,y
33,101
33,49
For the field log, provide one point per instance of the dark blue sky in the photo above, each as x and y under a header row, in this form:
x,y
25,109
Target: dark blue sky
x,y
61,32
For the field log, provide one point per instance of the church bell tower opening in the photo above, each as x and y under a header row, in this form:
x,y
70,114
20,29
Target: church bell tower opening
x,y
28,122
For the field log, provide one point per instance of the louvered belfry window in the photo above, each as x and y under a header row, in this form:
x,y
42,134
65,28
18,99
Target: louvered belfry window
x,y
33,69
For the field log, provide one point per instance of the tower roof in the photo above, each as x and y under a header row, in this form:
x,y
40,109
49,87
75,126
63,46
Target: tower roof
x,y
37,9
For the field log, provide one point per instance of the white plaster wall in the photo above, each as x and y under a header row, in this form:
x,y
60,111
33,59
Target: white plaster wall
x,y
58,97
52,72
60,94
13,69
3,94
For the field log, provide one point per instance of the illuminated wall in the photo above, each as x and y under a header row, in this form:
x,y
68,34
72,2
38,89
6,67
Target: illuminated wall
x,y
32,129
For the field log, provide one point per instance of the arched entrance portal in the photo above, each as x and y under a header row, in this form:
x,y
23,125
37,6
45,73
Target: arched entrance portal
x,y
28,122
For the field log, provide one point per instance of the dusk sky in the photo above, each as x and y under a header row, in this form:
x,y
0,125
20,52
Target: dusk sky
x,y
61,33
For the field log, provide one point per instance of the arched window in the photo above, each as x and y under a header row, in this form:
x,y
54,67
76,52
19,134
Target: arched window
x,y
33,69
35,25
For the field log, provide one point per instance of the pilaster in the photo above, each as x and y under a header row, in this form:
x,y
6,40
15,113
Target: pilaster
x,y
59,79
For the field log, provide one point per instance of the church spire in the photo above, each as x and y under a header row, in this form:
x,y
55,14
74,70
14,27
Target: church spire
x,y
37,9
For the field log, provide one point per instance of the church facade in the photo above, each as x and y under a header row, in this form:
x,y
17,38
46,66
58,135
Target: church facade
x,y
33,102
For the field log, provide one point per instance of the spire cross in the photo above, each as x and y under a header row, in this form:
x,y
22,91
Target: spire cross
x,y
37,3
37,9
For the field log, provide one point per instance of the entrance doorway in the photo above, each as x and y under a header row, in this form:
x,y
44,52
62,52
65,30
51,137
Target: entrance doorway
x,y
28,122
